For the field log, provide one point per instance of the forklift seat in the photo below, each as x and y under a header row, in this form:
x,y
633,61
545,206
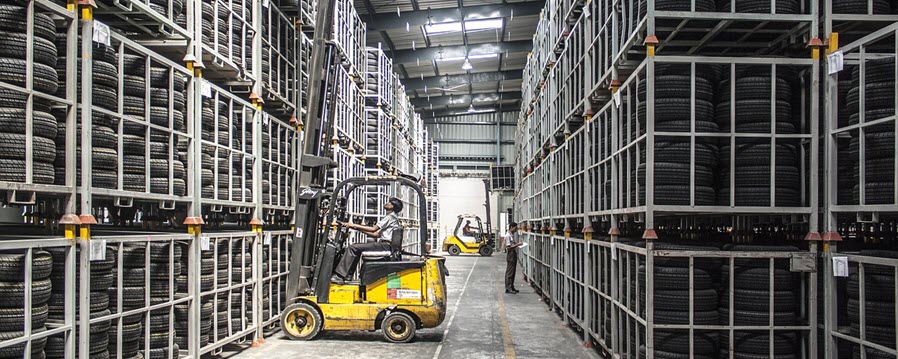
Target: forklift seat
x,y
394,254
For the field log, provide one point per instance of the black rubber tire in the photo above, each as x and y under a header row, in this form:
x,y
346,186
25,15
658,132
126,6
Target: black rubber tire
x,y
860,7
877,287
14,171
12,120
678,300
758,278
699,318
12,45
13,18
675,278
761,6
703,343
758,300
17,351
759,342
13,71
160,185
12,266
877,313
13,319
132,297
164,352
12,294
12,146
745,317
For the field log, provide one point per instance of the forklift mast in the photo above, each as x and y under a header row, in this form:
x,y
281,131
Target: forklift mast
x,y
491,239
316,154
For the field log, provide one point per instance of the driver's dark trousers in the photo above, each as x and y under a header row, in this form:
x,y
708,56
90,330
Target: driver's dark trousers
x,y
511,267
350,260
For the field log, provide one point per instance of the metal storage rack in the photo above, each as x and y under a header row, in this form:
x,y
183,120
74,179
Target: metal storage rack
x,y
609,142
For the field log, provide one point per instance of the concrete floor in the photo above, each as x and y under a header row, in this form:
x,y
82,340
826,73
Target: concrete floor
x,y
482,322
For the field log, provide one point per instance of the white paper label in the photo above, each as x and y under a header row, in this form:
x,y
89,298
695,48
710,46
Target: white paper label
x,y
299,233
102,34
586,13
614,251
204,243
840,266
408,294
98,250
267,240
617,99
207,90
265,119
265,3
835,62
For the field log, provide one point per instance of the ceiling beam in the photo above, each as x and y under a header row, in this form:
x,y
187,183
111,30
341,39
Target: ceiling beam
x,y
411,56
425,114
424,104
388,20
455,80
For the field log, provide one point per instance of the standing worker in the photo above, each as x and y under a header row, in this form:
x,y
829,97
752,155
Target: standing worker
x,y
382,233
511,257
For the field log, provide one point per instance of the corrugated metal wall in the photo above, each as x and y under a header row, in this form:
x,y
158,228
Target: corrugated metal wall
x,y
468,141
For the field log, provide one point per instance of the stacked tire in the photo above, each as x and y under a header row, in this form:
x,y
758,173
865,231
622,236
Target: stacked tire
x,y
13,67
12,300
753,157
101,278
880,7
207,283
671,288
879,303
879,102
673,170
751,305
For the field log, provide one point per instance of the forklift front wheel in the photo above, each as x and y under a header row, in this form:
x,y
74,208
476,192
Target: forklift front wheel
x,y
454,250
486,251
301,321
398,327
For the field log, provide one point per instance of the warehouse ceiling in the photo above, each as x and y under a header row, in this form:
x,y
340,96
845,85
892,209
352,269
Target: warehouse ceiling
x,y
430,40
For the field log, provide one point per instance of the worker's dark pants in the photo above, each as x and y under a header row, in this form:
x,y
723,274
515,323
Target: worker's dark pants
x,y
511,267
351,257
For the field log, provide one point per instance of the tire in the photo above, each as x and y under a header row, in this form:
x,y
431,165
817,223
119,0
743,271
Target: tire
x,y
699,318
758,278
12,294
784,343
877,313
132,297
758,300
17,351
678,300
703,343
485,251
398,327
13,18
12,45
12,266
14,171
301,321
12,120
12,146
676,278
164,352
454,250
13,319
13,71
745,317
160,185
880,288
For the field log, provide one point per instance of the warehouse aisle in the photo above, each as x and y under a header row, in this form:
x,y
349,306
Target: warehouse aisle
x,y
482,321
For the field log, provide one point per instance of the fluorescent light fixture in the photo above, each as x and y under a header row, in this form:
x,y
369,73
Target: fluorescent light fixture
x,y
467,65
471,57
486,24
470,25
471,109
442,28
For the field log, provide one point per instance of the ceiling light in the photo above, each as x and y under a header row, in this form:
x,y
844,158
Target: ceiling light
x,y
471,109
467,65
442,28
486,24
470,57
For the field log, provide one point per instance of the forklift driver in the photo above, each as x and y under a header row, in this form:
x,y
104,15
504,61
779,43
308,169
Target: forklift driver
x,y
382,232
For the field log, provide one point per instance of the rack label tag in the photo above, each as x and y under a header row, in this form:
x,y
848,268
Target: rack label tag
x,y
98,249
204,243
617,99
102,34
267,240
207,90
614,251
835,62
840,266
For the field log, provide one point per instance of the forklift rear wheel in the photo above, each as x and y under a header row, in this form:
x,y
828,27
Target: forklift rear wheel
x,y
454,250
398,327
486,251
301,321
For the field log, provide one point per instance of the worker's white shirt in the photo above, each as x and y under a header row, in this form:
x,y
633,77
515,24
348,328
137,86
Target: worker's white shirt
x,y
510,240
387,225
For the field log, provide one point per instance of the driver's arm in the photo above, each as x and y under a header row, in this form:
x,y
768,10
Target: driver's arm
x,y
370,231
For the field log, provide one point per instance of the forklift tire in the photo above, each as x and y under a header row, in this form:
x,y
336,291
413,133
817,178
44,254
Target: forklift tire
x,y
485,251
454,250
301,321
398,327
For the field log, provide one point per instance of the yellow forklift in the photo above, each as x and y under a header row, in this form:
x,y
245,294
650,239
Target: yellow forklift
x,y
397,292
469,239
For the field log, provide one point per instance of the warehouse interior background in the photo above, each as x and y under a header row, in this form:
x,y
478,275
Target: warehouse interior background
x,y
691,178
